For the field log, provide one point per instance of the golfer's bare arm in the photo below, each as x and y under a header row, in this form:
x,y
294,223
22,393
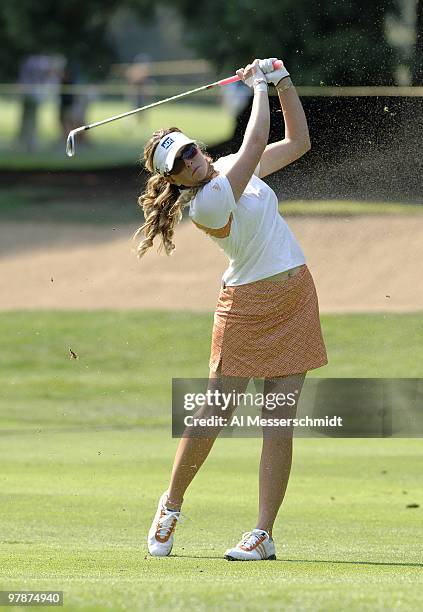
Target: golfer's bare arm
x,y
297,140
253,145
249,155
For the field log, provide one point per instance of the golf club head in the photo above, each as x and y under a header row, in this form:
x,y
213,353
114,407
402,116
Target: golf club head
x,y
70,144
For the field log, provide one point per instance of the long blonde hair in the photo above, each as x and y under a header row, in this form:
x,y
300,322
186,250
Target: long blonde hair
x,y
163,202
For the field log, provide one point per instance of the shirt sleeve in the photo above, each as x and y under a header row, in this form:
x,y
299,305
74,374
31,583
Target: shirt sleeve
x,y
213,204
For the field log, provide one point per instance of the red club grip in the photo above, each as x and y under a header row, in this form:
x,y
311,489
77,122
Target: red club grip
x,y
276,65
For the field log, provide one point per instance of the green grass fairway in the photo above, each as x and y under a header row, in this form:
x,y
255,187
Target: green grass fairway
x,y
344,208
76,507
127,359
54,203
85,451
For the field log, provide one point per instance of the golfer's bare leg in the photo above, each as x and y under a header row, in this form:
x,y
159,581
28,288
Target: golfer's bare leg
x,y
192,452
276,457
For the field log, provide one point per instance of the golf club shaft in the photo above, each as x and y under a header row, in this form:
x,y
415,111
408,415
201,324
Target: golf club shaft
x,y
141,108
70,145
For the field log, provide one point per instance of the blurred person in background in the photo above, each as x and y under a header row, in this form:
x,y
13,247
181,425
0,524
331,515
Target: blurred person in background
x,y
72,105
66,102
138,76
36,71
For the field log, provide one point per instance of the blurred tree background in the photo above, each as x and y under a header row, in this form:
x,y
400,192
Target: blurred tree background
x,y
336,43
327,42
418,57
78,29
331,42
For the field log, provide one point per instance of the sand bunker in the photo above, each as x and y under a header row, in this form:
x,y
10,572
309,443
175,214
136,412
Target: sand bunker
x,y
360,264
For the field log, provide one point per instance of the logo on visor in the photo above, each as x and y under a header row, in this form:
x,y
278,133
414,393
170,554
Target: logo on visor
x,y
166,143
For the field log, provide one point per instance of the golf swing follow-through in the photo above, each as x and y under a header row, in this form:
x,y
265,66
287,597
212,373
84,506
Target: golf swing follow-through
x,y
266,321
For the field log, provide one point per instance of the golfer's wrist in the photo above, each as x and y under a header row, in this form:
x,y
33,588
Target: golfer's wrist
x,y
284,84
260,84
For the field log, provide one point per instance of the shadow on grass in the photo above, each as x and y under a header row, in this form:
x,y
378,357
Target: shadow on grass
x,y
393,564
328,561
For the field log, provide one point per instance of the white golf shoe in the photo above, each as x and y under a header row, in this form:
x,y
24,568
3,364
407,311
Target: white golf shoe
x,y
160,536
255,545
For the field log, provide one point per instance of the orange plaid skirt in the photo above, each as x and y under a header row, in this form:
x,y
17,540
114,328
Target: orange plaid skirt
x,y
268,328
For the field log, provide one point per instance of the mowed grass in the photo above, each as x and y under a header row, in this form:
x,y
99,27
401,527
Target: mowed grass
x,y
54,203
126,361
76,507
344,208
114,144
85,450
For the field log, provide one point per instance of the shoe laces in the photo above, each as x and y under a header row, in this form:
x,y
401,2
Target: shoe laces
x,y
167,521
250,538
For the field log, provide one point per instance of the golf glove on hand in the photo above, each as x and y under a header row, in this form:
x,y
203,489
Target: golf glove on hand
x,y
266,65
273,76
257,75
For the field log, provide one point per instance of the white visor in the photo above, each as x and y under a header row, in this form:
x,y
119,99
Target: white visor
x,y
167,149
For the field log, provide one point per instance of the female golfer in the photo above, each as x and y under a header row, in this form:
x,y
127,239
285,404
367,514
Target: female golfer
x,y
266,321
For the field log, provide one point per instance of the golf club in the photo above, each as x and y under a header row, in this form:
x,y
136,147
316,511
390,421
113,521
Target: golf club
x,y
70,143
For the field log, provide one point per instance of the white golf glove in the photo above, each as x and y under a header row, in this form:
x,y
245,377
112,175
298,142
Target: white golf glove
x,y
266,65
272,75
257,80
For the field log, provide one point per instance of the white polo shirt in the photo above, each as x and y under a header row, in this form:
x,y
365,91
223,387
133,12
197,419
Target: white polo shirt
x,y
260,243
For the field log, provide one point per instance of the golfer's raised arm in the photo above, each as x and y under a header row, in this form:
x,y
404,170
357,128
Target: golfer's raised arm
x,y
296,142
256,134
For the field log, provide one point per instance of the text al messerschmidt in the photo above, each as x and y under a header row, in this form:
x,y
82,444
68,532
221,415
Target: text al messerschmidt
x,y
257,421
